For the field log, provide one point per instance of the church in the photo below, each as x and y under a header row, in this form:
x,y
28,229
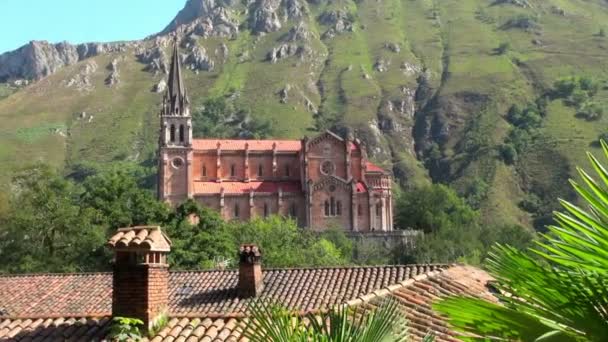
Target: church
x,y
321,182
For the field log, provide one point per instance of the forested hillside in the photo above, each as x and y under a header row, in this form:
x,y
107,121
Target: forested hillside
x,y
497,98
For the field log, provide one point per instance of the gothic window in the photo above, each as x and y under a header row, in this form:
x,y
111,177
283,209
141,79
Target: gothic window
x,y
260,170
204,171
359,210
232,171
181,133
287,170
332,206
172,133
339,208
236,210
265,209
326,208
378,209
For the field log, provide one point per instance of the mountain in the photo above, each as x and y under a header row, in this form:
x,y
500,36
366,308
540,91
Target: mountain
x,y
427,85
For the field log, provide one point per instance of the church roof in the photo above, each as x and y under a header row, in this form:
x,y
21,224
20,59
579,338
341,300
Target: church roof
x,y
239,187
254,145
371,167
203,305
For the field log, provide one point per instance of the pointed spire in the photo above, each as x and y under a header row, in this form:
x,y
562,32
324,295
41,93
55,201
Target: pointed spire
x,y
176,92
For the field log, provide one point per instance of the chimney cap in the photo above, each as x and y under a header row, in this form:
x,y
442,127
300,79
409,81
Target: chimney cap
x,y
250,253
140,238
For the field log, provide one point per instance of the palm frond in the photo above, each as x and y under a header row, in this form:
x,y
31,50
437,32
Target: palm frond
x,y
272,322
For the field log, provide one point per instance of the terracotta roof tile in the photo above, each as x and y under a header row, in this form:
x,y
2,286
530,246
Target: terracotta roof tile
x,y
145,237
254,145
418,286
202,188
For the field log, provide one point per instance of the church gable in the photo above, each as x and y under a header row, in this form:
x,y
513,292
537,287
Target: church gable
x,y
326,144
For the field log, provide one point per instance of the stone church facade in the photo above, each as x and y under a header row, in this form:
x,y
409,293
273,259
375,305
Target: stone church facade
x,y
321,182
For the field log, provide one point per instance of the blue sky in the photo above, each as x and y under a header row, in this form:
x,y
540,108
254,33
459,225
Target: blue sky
x,y
79,21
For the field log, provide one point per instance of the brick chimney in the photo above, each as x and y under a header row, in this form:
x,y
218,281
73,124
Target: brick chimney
x,y
141,273
251,281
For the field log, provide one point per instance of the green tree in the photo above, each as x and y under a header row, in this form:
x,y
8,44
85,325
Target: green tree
x,y
119,201
203,245
431,208
284,244
556,291
46,230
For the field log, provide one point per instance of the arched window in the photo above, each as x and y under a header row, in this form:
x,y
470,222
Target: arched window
x,y
260,170
265,209
204,171
236,210
378,209
232,171
172,133
339,208
326,208
287,170
181,133
332,205
359,210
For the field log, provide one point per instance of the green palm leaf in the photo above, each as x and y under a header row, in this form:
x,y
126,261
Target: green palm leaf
x,y
556,291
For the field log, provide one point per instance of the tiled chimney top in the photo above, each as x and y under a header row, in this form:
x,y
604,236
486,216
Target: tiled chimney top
x,y
249,254
251,282
146,238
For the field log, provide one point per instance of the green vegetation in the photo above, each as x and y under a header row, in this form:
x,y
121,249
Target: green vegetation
x,y
53,224
220,118
124,329
452,227
272,322
555,291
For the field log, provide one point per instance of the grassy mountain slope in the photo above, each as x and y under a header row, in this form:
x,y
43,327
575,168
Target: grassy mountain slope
x,y
420,81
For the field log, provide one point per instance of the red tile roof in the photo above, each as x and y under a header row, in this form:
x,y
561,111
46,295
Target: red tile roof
x,y
149,237
199,292
419,286
254,145
201,188
371,167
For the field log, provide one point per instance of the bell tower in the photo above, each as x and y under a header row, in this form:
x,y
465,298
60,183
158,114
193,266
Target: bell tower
x,y
175,138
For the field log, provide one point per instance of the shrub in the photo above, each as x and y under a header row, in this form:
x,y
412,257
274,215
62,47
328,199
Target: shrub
x,y
508,153
591,111
125,329
503,48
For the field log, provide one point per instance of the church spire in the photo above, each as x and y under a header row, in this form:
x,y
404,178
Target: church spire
x,y
176,98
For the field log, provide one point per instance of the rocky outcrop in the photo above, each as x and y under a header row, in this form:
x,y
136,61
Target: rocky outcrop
x,y
81,81
338,20
160,87
264,17
222,52
112,79
155,60
39,59
198,60
295,43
